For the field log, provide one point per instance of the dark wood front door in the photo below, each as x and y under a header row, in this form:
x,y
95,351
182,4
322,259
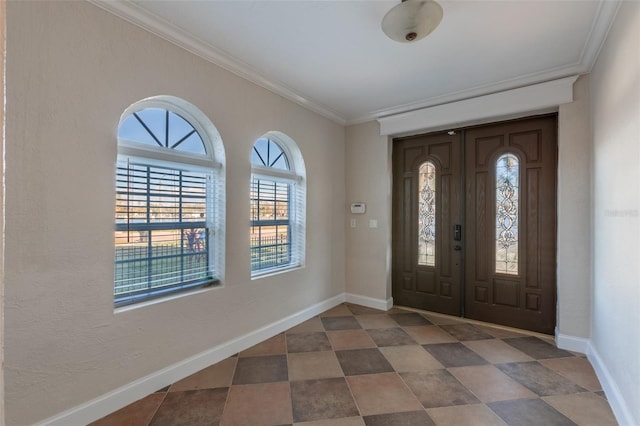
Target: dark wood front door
x,y
427,261
474,222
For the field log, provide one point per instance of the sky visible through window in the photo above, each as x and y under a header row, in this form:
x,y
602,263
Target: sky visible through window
x,y
161,128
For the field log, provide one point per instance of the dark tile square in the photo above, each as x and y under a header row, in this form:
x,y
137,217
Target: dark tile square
x,y
322,399
410,319
391,337
340,323
410,418
536,348
196,407
464,332
363,310
454,354
261,369
438,388
530,412
308,342
363,361
539,379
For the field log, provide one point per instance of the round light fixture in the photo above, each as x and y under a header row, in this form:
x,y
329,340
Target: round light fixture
x,y
412,20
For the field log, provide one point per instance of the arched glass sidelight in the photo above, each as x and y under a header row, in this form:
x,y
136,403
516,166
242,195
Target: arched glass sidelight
x,y
507,213
427,214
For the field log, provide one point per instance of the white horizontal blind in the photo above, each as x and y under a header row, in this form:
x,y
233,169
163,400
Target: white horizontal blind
x,y
271,233
163,221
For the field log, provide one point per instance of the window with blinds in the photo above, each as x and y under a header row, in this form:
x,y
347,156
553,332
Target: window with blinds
x,y
162,236
165,208
270,225
277,202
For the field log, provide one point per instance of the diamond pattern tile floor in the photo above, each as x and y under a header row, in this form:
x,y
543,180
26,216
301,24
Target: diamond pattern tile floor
x,y
354,365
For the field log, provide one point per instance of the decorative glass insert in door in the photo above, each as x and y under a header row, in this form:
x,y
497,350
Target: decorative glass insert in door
x,y
507,212
427,214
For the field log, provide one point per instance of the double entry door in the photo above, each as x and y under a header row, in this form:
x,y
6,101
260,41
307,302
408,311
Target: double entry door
x,y
474,222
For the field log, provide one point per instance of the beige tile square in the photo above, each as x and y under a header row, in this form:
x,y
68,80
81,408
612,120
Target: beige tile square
x,y
490,384
217,376
313,365
576,369
496,351
259,404
312,325
273,346
410,358
586,409
350,339
376,321
382,393
428,334
465,415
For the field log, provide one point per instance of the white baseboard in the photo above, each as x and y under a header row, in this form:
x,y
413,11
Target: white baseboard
x,y
619,406
572,343
125,395
369,302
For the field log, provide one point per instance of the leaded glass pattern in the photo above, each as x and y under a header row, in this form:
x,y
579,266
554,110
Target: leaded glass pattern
x,y
507,214
427,214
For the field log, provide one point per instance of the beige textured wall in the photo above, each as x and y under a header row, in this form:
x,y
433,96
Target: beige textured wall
x,y
368,180
615,106
72,69
574,220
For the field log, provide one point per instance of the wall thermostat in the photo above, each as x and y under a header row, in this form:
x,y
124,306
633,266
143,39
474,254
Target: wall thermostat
x,y
358,208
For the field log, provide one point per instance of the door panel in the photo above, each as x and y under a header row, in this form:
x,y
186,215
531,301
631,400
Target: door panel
x,y
435,287
506,248
525,298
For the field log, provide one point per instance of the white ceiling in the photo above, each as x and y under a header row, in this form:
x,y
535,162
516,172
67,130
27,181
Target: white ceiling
x,y
332,56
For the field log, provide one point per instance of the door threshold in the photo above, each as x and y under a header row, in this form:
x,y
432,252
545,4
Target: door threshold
x,y
454,319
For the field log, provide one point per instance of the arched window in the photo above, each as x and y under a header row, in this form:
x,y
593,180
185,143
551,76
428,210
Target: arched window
x,y
507,212
170,199
427,214
278,198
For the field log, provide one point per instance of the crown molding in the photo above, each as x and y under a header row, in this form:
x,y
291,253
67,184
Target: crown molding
x,y
483,90
536,97
607,11
170,32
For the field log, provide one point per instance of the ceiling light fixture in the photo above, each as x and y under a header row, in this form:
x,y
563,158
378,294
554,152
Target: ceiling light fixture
x,y
412,20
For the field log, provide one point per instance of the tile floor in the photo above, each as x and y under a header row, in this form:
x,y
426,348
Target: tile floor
x,y
357,366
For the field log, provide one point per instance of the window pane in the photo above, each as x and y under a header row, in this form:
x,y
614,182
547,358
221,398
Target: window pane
x,y
267,153
161,238
427,214
507,196
270,232
161,128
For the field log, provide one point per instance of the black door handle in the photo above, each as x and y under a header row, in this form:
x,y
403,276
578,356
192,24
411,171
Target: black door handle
x,y
457,248
457,232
